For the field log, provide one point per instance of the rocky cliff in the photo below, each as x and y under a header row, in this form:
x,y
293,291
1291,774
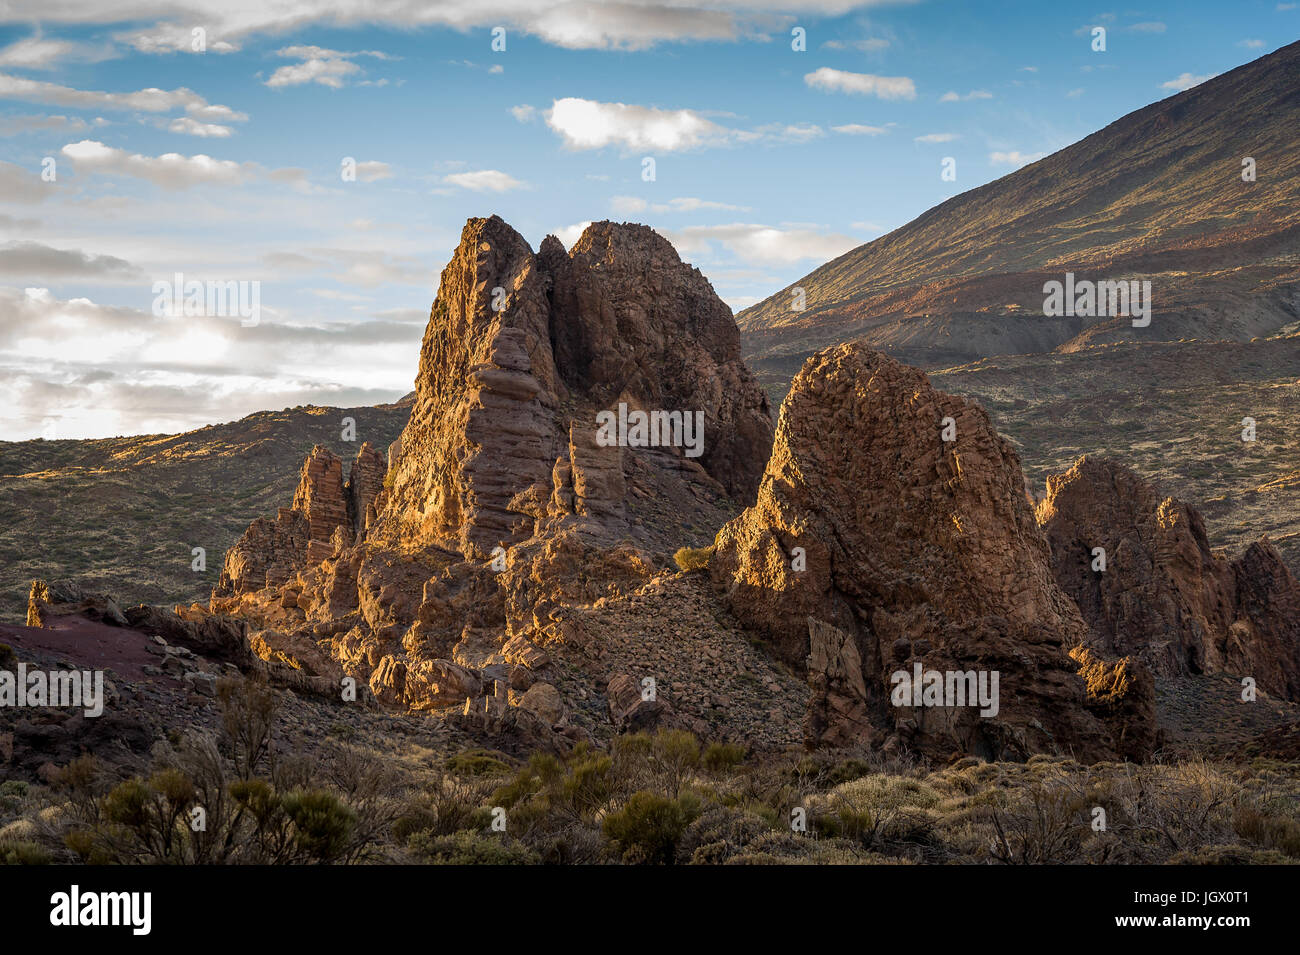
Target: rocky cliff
x,y
1141,570
504,513
892,531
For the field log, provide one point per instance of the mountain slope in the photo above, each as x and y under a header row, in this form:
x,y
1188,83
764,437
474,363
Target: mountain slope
x,y
1155,195
123,514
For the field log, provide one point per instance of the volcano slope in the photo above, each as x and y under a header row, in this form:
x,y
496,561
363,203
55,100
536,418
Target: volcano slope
x,y
1158,195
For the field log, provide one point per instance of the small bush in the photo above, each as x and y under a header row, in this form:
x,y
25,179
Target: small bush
x,y
471,847
478,762
720,756
322,823
23,853
693,558
647,829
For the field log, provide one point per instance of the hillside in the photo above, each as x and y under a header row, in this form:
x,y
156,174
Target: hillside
x,y
124,513
1156,195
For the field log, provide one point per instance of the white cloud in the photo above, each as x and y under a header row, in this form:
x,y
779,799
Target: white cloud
x,y
588,124
27,260
1014,158
178,38
1078,91
38,53
19,185
1147,27
1251,44
952,96
762,243
524,113
170,170
1186,81
857,129
631,205
319,65
870,45
573,24
484,180
372,170
935,138
571,233
12,125
92,370
628,205
192,127
150,100
329,73
863,84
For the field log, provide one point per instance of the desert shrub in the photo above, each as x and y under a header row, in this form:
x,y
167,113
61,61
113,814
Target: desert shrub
x,y
1268,831
719,833
478,762
718,757
472,847
647,828
248,709
8,659
13,792
24,853
321,823
693,558
1228,855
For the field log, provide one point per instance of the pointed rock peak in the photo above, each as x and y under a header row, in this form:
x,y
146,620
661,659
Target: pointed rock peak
x,y
607,239
895,514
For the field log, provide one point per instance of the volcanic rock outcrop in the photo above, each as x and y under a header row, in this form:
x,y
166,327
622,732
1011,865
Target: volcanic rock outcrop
x,y
1163,595
522,346
302,535
876,546
439,576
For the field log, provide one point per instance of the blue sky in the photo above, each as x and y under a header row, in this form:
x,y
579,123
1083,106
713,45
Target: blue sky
x,y
224,164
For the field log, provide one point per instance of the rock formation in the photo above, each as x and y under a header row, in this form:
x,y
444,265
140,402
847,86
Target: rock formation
x,y
437,576
877,545
1163,595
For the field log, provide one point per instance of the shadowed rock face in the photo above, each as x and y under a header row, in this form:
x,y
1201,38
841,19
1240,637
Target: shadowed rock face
x,y
915,550
1164,596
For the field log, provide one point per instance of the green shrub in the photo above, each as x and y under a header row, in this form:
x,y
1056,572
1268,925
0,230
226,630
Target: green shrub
x,y
647,829
472,847
322,823
720,756
478,762
23,853
693,558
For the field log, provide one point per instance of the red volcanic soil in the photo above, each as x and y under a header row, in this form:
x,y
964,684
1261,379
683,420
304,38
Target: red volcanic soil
x,y
86,643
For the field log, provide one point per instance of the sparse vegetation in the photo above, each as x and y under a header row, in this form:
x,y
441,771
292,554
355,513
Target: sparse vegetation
x,y
652,799
693,558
